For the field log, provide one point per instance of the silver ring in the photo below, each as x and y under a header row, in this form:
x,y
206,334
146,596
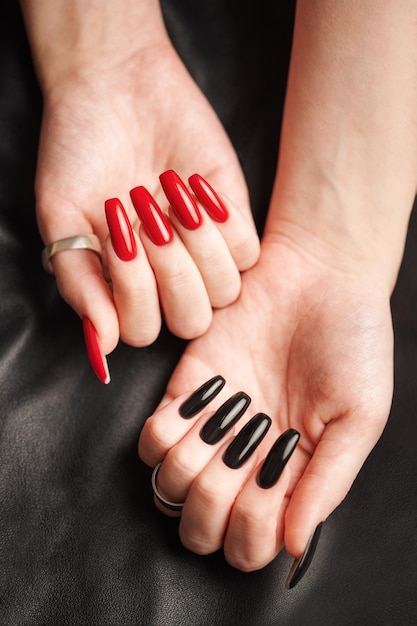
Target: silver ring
x,y
173,506
79,242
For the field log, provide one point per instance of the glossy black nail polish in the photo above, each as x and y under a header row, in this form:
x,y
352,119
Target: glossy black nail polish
x,y
301,565
224,418
201,397
246,441
277,458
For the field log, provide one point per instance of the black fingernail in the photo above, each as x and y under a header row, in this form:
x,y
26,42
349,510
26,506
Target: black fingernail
x,y
224,418
301,565
247,441
277,458
201,397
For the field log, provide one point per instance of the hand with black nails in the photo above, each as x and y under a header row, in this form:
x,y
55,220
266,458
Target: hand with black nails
x,y
324,373
310,338
217,441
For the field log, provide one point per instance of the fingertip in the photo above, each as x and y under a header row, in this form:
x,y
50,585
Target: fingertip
x,y
97,358
304,513
121,233
209,198
302,563
239,233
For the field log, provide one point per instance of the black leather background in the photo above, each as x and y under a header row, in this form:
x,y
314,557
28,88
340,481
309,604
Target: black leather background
x,y
80,540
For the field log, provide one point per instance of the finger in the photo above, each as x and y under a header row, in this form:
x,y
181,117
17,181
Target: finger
x,y
185,303
236,229
338,458
80,281
212,257
188,458
134,286
212,494
181,465
167,426
255,532
203,241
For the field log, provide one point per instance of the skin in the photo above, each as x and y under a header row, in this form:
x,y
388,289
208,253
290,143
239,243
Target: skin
x,y
312,344
310,336
109,126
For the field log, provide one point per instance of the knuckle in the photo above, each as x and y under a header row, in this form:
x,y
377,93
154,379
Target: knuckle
x,y
179,276
244,551
245,516
246,252
193,326
244,563
180,462
197,544
140,338
212,256
155,434
227,296
207,493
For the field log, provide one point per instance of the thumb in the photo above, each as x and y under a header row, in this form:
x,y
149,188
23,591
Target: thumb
x,y
337,460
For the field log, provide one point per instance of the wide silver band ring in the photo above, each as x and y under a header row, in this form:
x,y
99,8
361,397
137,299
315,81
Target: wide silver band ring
x,y
173,506
79,242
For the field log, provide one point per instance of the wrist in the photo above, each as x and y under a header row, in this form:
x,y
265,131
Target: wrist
x,y
90,41
359,235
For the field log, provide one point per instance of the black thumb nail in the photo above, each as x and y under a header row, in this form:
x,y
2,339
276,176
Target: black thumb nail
x,y
301,565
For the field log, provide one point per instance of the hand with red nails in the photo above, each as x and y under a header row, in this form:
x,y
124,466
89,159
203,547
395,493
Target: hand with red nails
x,y
113,89
182,255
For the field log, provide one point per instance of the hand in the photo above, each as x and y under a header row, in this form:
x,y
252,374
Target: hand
x,y
310,340
107,131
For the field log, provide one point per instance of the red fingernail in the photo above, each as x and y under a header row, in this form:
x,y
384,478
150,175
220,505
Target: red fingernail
x,y
182,202
97,359
154,221
121,233
209,198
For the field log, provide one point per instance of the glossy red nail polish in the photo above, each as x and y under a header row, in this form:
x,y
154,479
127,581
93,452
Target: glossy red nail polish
x,y
182,202
154,221
97,359
121,233
209,198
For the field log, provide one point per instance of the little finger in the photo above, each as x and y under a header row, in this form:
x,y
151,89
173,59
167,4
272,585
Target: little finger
x,y
236,229
204,242
166,427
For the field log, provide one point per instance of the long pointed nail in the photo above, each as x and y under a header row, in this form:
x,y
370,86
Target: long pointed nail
x,y
208,198
154,221
97,359
277,458
121,233
201,397
225,418
247,441
301,565
182,202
